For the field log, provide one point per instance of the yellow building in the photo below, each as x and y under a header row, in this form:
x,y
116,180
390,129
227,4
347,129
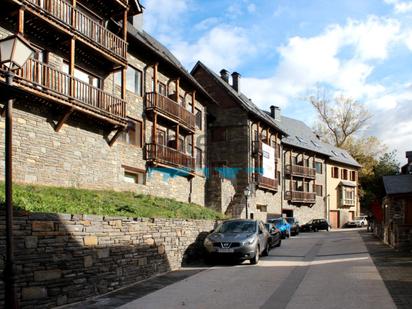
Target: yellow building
x,y
342,204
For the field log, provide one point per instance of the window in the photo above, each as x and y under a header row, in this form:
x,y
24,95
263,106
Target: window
x,y
335,153
278,151
198,118
218,134
133,134
134,80
199,157
262,208
344,175
319,167
319,190
300,139
335,172
83,76
161,137
162,89
353,175
134,175
315,144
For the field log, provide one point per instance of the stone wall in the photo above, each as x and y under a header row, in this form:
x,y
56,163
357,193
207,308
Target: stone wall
x,y
62,258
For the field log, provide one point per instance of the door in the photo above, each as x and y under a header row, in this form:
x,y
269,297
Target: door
x,y
351,215
334,218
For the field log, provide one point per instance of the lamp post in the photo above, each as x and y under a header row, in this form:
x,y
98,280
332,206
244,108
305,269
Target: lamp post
x,y
246,193
14,52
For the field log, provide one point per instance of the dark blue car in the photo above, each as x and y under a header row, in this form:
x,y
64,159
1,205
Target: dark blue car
x,y
282,225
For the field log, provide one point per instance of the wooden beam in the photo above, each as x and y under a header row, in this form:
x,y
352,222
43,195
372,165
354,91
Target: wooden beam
x,y
123,83
74,4
115,136
193,135
177,136
62,120
21,21
3,111
155,77
72,65
177,90
125,25
154,128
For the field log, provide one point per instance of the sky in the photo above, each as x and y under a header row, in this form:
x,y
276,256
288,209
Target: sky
x,y
286,49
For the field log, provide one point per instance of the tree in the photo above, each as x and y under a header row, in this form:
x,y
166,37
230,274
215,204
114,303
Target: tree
x,y
372,184
340,119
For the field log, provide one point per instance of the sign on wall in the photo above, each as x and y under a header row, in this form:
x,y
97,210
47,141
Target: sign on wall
x,y
268,161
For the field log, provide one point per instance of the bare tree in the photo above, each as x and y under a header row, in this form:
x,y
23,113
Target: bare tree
x,y
338,119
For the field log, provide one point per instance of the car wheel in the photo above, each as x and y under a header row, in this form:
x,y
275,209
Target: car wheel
x,y
327,229
315,229
362,224
279,243
266,251
255,259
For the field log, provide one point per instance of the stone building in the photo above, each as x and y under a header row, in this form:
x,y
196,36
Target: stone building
x,y
239,136
101,104
396,228
243,150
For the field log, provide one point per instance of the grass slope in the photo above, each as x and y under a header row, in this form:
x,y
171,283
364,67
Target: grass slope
x,y
109,203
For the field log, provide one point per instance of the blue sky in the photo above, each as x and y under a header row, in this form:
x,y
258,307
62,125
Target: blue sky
x,y
284,49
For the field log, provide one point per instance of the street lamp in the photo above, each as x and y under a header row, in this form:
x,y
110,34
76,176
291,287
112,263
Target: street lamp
x,y
246,193
14,52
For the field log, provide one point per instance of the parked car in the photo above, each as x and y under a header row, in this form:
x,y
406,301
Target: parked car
x,y
361,221
238,238
350,224
282,225
294,226
315,225
274,238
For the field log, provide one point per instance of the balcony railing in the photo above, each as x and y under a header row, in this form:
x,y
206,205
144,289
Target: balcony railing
x,y
266,183
41,77
91,30
301,171
347,202
300,197
171,109
169,156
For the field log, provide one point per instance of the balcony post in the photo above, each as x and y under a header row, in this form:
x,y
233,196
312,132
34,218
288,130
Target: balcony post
x,y
21,21
71,67
291,174
193,112
177,137
74,4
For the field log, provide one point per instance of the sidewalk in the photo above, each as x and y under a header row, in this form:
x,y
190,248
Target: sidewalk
x,y
394,267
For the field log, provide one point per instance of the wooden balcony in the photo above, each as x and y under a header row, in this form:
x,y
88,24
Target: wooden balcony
x,y
347,202
169,157
300,171
300,197
63,14
42,80
170,109
266,183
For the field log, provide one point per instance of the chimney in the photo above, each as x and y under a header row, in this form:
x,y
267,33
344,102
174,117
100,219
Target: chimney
x,y
275,112
137,22
235,81
224,74
409,156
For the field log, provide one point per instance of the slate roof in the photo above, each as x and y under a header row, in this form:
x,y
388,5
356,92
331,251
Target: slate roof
x,y
301,136
160,50
243,100
398,184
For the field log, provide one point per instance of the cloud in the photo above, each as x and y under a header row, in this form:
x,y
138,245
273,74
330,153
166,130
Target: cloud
x,y
161,15
251,8
221,47
400,6
207,23
306,62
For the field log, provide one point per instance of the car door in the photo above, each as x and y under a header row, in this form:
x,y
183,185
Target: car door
x,y
263,236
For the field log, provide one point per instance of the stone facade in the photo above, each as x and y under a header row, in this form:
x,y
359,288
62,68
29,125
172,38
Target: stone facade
x,y
301,211
62,258
79,155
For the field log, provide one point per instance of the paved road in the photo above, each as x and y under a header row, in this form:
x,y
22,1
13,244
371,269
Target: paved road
x,y
314,270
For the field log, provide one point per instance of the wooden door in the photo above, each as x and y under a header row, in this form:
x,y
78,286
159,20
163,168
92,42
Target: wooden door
x,y
334,218
408,212
351,215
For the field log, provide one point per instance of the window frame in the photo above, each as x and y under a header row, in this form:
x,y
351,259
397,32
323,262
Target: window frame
x,y
139,138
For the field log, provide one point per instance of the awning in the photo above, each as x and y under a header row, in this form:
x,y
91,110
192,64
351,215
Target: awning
x,y
347,184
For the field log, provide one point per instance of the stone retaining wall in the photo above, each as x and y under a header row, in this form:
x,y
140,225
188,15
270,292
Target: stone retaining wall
x,y
63,258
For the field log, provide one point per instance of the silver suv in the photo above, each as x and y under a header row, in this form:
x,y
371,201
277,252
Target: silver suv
x,y
238,238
